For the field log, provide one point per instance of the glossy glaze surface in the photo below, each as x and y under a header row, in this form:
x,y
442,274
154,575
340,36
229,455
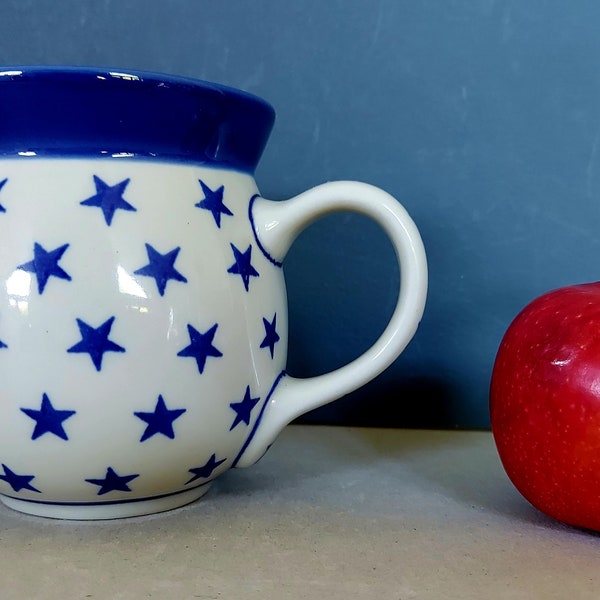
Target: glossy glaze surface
x,y
141,327
143,317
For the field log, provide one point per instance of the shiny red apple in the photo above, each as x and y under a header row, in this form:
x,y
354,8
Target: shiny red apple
x,y
545,404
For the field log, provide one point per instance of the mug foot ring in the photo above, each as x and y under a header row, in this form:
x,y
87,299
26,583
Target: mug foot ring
x,y
84,511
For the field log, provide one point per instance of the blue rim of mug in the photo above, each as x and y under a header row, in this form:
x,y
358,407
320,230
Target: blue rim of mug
x,y
105,112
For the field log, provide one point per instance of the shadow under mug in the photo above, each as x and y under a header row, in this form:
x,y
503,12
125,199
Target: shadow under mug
x,y
143,317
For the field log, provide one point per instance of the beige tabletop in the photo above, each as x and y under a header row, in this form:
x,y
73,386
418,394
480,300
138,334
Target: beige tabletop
x,y
329,513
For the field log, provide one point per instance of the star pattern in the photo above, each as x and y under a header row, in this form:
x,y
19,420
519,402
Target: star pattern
x,y
243,409
160,420
45,265
201,346
48,419
213,201
48,422
242,265
2,184
271,335
18,482
109,198
113,482
206,470
95,342
160,266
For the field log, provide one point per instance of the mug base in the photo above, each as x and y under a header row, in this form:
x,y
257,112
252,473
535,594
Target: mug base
x,y
92,511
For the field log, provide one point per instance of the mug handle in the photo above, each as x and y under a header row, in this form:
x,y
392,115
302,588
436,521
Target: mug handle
x,y
276,226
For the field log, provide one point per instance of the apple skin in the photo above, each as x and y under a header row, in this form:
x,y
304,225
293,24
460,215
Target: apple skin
x,y
545,404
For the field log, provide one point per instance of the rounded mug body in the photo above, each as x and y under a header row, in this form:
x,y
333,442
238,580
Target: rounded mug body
x,y
142,329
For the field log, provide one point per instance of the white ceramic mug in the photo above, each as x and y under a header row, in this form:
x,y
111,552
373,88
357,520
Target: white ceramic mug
x,y
143,320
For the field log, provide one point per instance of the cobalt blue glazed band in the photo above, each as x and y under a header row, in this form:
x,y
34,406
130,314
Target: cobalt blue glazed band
x,y
101,112
143,315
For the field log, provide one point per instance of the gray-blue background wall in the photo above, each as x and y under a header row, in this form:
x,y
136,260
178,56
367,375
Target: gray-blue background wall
x,y
482,117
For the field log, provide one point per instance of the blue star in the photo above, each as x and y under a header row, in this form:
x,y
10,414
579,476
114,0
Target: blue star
x,y
48,419
161,268
113,482
159,421
95,341
242,266
206,470
45,265
18,482
213,201
243,409
109,198
201,346
271,335
2,184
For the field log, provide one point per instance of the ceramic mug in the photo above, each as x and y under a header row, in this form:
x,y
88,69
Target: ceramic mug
x,y
143,320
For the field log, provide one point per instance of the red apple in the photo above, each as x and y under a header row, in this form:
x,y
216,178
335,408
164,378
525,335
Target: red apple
x,y
545,404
